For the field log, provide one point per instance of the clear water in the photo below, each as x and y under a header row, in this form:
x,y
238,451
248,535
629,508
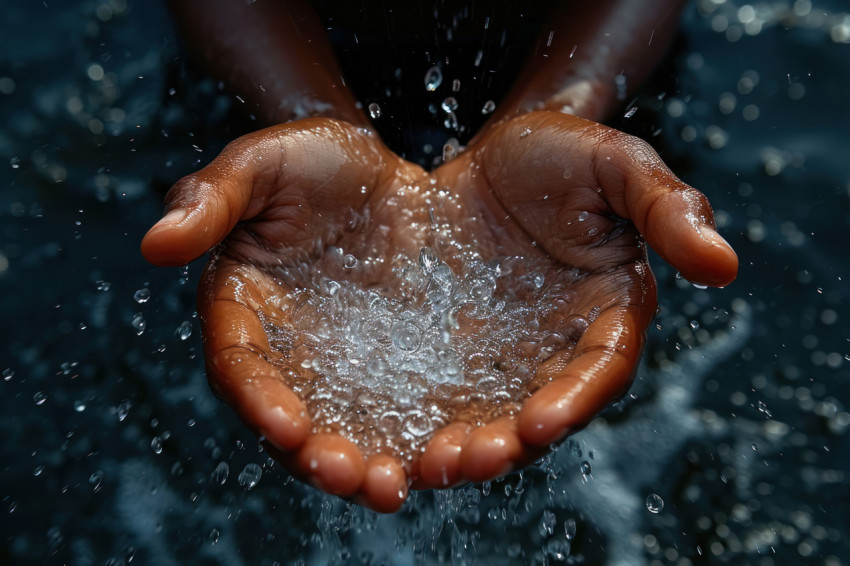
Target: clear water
x,y
114,451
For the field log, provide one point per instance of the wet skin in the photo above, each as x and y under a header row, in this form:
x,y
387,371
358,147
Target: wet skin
x,y
272,195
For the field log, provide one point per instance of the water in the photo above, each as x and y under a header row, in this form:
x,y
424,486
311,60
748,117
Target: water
x,y
685,433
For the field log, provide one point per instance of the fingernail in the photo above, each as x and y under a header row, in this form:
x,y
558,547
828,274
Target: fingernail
x,y
173,217
712,236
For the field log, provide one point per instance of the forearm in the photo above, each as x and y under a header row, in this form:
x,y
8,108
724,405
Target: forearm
x,y
591,58
273,54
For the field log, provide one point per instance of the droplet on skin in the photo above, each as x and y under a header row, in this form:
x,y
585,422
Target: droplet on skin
x,y
349,261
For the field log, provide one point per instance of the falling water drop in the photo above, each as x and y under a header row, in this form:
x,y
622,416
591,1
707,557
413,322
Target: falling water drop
x,y
433,79
142,295
184,330
374,111
220,473
654,503
488,107
250,476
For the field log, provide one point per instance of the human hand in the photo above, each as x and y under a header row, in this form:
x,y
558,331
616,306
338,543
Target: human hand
x,y
293,195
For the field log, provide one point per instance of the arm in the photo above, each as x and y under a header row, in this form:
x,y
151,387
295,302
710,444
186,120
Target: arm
x,y
577,61
272,54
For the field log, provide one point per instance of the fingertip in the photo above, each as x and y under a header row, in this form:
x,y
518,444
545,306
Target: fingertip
x,y
721,266
284,421
491,451
439,465
332,463
384,487
163,244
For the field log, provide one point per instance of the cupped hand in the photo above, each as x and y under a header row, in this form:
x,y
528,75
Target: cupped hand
x,y
315,215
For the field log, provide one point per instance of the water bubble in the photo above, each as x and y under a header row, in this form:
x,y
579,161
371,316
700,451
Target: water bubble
x,y
374,111
405,336
138,323
220,473
142,295
250,476
449,104
488,107
349,261
39,398
654,503
156,445
184,331
433,79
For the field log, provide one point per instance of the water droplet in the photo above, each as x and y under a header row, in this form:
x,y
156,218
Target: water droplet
x,y
95,481
37,471
449,104
156,445
139,323
525,132
428,260
538,280
250,476
630,112
8,374
583,215
142,295
214,535
184,331
585,468
374,111
103,285
762,408
433,79
349,261
654,503
570,528
79,406
568,173
15,162
450,150
488,107
124,410
456,85
220,473
39,398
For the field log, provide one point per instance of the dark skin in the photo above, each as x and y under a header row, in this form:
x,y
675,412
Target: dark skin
x,y
271,194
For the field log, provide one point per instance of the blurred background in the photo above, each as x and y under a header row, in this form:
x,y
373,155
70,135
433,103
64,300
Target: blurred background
x,y
731,448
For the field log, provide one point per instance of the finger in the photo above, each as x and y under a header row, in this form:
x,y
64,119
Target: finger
x,y
275,172
332,463
492,450
600,372
384,486
439,465
675,219
237,352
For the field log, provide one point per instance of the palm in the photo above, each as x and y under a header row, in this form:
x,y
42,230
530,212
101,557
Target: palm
x,y
548,190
